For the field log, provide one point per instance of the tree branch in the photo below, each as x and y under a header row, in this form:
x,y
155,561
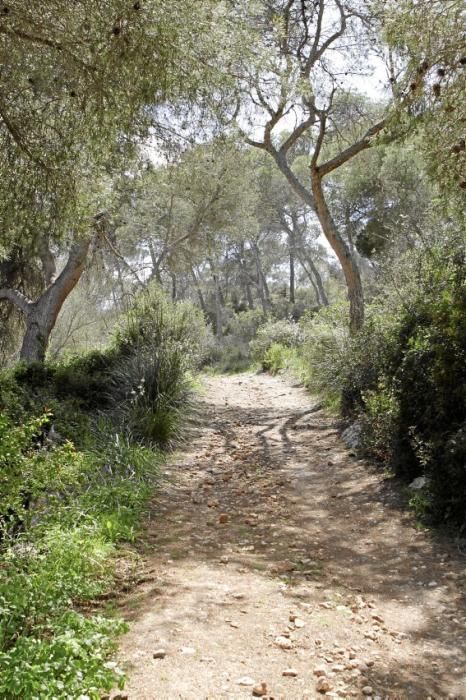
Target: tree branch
x,y
351,151
15,297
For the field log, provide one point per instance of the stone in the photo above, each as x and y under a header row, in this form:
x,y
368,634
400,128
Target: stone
x,y
352,435
283,567
298,623
323,685
283,642
159,654
245,680
187,650
418,484
290,672
260,690
223,518
320,671
367,690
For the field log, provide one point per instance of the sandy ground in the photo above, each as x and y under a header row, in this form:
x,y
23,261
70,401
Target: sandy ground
x,y
279,564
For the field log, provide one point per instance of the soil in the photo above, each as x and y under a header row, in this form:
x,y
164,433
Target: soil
x,y
271,549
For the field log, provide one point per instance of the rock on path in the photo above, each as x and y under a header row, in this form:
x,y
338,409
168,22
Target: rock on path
x,y
280,563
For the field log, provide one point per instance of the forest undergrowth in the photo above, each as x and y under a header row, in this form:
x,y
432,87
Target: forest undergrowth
x,y
81,446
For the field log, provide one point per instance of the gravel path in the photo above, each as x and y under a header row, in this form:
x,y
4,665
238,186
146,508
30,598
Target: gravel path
x,y
282,566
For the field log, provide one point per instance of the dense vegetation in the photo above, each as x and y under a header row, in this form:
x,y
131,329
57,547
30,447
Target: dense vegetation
x,y
277,184
81,445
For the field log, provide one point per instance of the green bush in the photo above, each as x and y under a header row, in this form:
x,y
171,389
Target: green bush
x,y
284,333
80,504
66,502
404,374
158,345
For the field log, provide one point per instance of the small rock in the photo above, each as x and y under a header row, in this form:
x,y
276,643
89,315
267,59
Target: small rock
x,y
418,483
367,690
245,680
323,685
299,623
224,559
159,654
283,642
320,671
223,518
260,690
290,672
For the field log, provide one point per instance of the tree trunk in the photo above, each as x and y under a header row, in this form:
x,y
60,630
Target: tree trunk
x,y
41,315
291,251
199,291
245,278
342,251
262,286
314,277
317,202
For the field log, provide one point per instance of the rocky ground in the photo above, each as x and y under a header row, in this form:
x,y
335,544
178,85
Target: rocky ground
x,y
279,565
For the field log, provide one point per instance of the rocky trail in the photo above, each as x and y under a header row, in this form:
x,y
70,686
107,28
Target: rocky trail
x,y
279,565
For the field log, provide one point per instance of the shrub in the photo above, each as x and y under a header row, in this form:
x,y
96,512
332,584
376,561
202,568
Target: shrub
x,y
283,333
405,374
157,346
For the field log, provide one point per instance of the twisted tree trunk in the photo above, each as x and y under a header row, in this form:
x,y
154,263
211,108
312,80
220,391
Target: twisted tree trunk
x,y
342,251
41,315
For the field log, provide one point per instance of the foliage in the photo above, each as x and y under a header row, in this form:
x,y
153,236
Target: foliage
x,y
428,35
60,554
157,345
282,333
404,374
64,505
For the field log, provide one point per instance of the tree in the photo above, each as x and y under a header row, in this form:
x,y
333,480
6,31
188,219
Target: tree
x,y
305,50
428,37
76,97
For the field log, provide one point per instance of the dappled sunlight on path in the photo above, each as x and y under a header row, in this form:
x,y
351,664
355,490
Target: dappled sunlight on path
x,y
273,551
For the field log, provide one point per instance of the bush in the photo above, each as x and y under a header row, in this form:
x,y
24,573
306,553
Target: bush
x,y
404,374
61,554
283,333
64,508
157,347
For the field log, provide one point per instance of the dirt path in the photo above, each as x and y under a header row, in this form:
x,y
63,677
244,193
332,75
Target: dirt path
x,y
275,556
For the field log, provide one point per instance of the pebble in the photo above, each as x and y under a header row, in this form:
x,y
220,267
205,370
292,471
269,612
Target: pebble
x,y
223,518
159,654
320,671
367,690
290,672
260,690
283,642
323,685
245,680
187,650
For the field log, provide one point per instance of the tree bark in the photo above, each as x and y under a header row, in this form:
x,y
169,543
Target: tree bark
x,y
199,291
342,251
314,277
291,252
41,315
